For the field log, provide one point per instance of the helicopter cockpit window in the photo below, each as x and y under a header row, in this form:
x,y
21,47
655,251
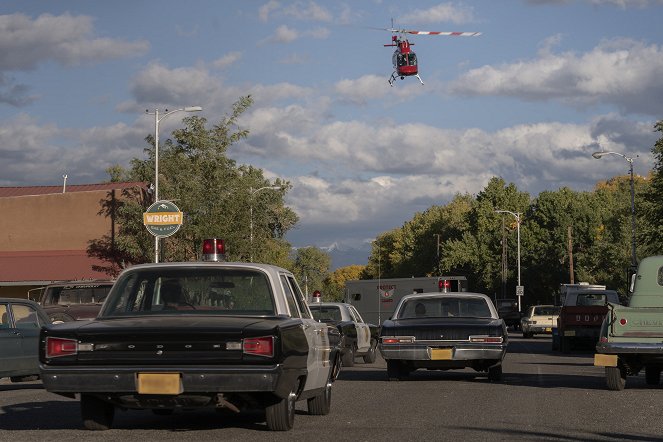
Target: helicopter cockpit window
x,y
402,59
412,59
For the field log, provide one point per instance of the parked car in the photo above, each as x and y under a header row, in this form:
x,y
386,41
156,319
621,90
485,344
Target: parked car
x,y
20,322
74,300
444,331
357,337
507,309
174,336
539,319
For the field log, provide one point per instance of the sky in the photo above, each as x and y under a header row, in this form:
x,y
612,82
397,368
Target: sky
x,y
546,83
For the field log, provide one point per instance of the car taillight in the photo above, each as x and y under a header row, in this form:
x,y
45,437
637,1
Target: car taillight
x,y
263,346
488,339
56,347
398,340
623,321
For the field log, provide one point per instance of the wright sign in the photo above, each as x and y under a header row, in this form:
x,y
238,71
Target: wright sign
x,y
163,218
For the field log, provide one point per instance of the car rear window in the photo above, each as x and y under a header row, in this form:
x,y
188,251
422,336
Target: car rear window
x,y
190,291
76,294
326,313
447,306
546,311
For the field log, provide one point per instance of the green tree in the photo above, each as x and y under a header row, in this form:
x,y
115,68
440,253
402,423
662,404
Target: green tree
x,y
651,223
311,268
214,194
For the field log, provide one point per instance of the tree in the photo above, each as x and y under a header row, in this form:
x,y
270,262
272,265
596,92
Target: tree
x,y
651,225
334,283
311,268
213,193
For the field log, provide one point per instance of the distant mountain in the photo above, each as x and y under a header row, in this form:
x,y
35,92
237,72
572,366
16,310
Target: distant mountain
x,y
343,255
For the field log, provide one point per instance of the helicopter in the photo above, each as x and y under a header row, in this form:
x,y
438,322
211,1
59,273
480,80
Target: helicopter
x,y
404,59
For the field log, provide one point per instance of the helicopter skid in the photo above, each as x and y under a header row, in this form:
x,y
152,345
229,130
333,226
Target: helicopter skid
x,y
395,75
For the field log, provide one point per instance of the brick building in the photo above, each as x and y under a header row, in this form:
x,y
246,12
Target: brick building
x,y
45,231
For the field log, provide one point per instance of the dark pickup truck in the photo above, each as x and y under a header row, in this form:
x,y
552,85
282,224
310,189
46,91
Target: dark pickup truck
x,y
581,316
74,300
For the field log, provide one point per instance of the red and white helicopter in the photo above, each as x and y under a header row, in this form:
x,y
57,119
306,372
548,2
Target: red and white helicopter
x,y
404,58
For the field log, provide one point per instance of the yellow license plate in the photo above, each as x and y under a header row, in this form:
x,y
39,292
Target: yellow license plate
x,y
569,333
159,383
441,354
548,330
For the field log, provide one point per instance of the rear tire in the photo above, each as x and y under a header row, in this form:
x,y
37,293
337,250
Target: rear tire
x,y
349,357
395,370
564,344
652,375
615,378
97,414
495,373
281,415
369,357
321,404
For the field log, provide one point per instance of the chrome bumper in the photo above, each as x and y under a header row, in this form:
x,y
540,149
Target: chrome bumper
x,y
194,379
459,352
629,347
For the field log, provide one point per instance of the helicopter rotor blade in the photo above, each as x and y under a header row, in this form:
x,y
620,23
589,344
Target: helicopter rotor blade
x,y
451,34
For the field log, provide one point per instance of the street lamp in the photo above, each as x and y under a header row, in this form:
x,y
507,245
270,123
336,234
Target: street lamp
x,y
251,193
598,155
517,215
157,120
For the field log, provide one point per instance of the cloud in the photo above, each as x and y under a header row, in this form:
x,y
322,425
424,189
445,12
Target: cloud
x,y
227,60
266,9
620,72
308,11
65,39
367,88
25,43
34,154
283,34
442,13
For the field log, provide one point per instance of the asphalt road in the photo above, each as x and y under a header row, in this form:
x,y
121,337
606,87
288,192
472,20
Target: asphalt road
x,y
543,396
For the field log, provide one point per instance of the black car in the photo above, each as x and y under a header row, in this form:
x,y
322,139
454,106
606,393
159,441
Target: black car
x,y
444,331
177,336
358,338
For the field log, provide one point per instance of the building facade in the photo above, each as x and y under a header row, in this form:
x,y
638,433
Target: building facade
x,y
45,232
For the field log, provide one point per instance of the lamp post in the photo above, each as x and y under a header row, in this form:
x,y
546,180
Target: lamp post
x,y
157,120
251,193
517,216
598,155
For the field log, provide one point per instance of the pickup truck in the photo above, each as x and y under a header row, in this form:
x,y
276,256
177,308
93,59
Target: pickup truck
x,y
632,336
187,335
582,314
74,300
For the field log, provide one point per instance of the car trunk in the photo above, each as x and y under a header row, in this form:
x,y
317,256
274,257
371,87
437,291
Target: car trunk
x,y
160,341
447,329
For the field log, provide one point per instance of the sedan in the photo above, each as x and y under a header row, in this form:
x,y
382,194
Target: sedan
x,y
357,337
444,331
539,319
20,322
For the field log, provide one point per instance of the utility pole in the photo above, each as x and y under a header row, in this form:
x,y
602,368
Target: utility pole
x,y
504,259
570,248
437,235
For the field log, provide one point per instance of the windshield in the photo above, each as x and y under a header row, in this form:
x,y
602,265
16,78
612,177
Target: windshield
x,y
191,291
443,307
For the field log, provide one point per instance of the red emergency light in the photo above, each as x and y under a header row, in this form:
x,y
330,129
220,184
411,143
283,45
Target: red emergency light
x,y
214,249
317,296
444,285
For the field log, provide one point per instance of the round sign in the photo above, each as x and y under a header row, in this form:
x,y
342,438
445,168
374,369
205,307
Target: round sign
x,y
163,218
